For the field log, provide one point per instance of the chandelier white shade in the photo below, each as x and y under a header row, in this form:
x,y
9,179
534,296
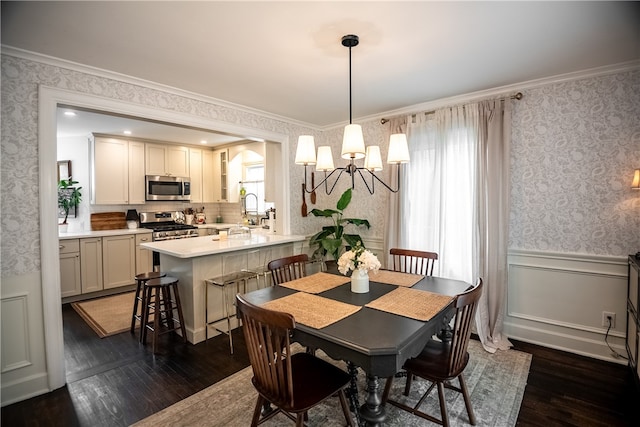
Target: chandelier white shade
x,y
306,150
353,148
398,149
373,161
353,142
325,159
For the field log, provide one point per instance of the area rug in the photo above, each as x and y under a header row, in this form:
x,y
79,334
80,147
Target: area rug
x,y
109,315
496,383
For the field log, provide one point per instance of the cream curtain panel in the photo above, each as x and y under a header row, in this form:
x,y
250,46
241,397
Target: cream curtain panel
x,y
394,224
454,200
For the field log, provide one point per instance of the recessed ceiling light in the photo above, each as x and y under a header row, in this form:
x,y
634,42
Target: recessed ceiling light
x,y
204,141
127,132
69,113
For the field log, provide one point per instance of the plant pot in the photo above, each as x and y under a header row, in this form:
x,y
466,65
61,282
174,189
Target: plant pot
x,y
360,281
63,228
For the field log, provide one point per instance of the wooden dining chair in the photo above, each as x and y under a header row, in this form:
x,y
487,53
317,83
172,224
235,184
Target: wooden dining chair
x,y
288,268
293,383
441,362
415,262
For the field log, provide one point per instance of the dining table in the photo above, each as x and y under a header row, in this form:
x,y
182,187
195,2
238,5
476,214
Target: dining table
x,y
376,331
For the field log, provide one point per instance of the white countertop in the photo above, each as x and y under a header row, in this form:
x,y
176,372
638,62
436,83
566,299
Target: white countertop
x,y
101,233
206,245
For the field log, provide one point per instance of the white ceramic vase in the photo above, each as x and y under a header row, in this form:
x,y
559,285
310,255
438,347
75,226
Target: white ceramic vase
x,y
360,281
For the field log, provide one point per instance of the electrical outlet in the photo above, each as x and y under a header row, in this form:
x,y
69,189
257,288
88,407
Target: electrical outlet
x,y
605,319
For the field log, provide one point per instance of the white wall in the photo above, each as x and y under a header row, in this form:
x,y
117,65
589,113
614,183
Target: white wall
x,y
76,149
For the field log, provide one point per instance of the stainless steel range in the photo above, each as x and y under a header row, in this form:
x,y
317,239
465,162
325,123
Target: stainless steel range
x,y
167,225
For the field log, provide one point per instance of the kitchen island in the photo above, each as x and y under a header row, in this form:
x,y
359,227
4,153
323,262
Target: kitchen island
x,y
194,260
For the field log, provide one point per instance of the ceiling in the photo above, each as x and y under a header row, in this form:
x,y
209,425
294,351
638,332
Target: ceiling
x,y
286,59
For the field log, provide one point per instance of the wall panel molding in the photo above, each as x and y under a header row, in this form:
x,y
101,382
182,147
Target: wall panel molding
x,y
16,352
556,300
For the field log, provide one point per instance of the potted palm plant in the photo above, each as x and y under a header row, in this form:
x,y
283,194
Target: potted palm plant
x,y
332,238
69,197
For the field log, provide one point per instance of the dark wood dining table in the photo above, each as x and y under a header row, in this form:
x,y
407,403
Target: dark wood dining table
x,y
376,341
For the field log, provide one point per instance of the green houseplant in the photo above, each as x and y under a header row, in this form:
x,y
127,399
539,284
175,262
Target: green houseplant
x,y
331,238
69,196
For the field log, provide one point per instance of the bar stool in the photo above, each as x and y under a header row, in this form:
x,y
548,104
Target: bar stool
x,y
159,302
260,268
141,279
225,282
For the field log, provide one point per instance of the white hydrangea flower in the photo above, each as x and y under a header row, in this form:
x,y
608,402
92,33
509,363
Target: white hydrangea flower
x,y
358,258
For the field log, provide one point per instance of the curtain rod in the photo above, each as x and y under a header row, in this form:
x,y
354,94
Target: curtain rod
x,y
518,96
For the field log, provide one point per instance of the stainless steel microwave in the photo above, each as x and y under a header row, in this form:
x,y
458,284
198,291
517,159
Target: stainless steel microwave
x,y
161,187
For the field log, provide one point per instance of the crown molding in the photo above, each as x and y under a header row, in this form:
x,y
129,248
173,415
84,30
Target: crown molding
x,y
502,91
87,69
412,109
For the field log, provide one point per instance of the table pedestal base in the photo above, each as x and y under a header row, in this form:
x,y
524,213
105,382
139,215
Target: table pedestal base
x,y
372,411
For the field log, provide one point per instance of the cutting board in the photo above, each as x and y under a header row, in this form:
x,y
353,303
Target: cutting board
x,y
108,221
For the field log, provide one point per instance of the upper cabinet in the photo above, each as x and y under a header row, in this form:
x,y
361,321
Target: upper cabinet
x,y
118,168
170,160
225,180
195,174
117,171
110,171
136,173
208,176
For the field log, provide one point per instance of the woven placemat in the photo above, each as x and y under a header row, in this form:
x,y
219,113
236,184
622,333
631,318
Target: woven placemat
x,y
312,310
395,278
412,303
316,283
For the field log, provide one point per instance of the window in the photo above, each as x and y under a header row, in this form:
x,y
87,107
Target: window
x,y
438,200
253,183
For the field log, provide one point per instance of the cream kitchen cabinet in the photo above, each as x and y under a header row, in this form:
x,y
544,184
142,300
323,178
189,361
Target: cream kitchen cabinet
x,y
118,260
208,176
144,257
201,173
195,174
136,173
110,171
167,159
117,171
220,177
70,282
226,177
91,264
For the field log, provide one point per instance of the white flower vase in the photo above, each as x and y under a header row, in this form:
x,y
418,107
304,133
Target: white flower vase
x,y
360,281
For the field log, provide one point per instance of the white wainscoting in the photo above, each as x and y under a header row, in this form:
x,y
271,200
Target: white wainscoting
x,y
15,332
556,300
24,371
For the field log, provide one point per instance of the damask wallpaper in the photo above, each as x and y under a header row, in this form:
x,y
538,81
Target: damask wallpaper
x,y
574,147
20,243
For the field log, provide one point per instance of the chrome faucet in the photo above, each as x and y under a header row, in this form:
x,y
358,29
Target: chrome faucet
x,y
244,205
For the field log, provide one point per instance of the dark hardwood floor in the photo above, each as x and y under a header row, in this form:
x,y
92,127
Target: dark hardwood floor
x,y
115,382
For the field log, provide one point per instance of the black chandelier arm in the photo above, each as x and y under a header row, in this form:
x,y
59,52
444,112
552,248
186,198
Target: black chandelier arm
x,y
351,170
375,178
359,170
324,181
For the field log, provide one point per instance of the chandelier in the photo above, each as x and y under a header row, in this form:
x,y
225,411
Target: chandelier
x,y
353,148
